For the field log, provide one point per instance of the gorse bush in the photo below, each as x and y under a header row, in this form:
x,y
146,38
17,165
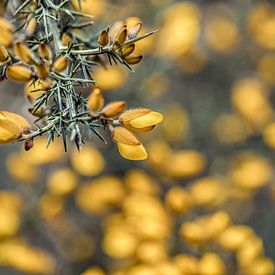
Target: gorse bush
x,y
49,47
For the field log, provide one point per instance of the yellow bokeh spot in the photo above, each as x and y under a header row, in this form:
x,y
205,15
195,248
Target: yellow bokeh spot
x,y
249,97
99,195
261,25
20,169
211,264
40,155
250,171
95,8
87,162
205,191
62,182
185,164
222,34
180,31
111,78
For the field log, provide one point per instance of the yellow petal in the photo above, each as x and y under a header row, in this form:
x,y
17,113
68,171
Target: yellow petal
x,y
15,119
147,120
122,135
9,131
132,152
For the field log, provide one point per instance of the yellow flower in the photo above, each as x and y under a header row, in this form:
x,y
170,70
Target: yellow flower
x,y
114,109
260,266
128,145
93,271
188,264
62,182
19,73
88,162
12,126
95,100
142,120
211,264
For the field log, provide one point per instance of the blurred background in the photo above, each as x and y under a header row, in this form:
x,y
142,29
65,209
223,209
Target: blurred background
x,y
203,203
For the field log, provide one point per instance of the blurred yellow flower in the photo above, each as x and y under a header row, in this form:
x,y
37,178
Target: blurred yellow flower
x,y
211,264
250,171
95,8
249,97
261,25
231,129
50,206
233,237
62,182
266,68
151,252
40,155
136,180
100,194
184,164
187,263
180,31
269,135
93,271
110,78
205,191
16,254
176,125
120,242
179,200
21,169
222,34
260,266
87,162
249,251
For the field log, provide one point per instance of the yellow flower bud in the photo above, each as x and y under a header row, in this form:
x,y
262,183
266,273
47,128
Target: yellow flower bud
x,y
5,25
24,53
95,101
141,120
30,29
42,70
133,59
45,52
66,39
114,109
34,89
134,30
128,145
121,36
211,264
127,50
60,64
12,126
103,39
5,38
3,54
19,73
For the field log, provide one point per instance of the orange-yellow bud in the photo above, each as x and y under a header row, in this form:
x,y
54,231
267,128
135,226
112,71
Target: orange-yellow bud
x,y
45,52
133,59
24,53
6,38
3,54
95,101
19,73
103,39
128,145
127,50
142,120
114,109
60,64
12,126
42,70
